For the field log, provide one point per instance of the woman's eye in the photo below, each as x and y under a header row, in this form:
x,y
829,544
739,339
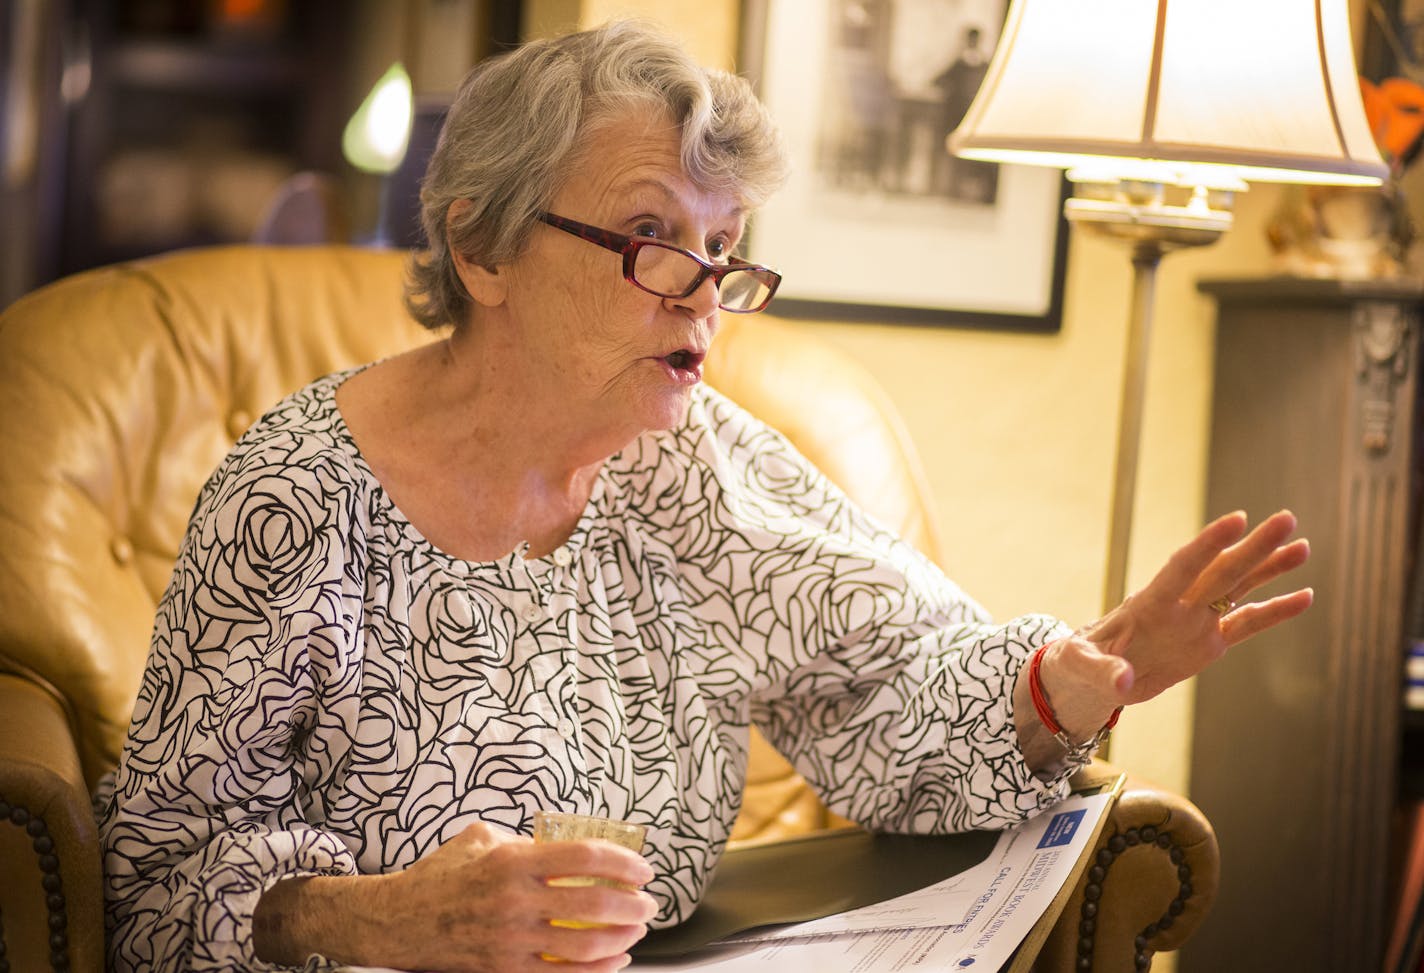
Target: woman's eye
x,y
647,230
718,250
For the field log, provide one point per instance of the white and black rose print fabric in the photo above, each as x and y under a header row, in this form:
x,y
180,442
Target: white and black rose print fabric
x,y
329,694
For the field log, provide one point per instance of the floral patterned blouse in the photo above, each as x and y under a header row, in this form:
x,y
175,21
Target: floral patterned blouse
x,y
328,693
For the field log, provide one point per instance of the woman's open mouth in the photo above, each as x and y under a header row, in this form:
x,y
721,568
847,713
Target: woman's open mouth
x,y
685,365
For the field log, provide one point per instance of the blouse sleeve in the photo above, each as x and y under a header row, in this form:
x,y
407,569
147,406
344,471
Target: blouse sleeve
x,y
882,682
249,669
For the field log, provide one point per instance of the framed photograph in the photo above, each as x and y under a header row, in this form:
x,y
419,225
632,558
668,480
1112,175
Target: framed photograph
x,y
878,221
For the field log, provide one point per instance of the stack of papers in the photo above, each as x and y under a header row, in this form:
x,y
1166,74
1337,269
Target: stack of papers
x,y
973,920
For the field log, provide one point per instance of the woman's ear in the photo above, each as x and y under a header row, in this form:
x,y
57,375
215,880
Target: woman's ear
x,y
485,285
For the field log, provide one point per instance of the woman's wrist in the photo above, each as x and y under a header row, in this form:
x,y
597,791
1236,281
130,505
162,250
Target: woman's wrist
x,y
1049,717
328,915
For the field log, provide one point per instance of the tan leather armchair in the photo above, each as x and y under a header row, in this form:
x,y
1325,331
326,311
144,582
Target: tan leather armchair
x,y
121,388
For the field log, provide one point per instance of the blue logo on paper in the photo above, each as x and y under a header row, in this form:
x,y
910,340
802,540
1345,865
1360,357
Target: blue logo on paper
x,y
967,962
1061,828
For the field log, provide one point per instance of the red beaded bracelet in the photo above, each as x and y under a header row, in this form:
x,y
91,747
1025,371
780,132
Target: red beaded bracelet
x,y
1077,752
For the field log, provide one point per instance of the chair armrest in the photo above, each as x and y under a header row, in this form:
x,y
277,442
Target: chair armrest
x,y
1151,883
51,907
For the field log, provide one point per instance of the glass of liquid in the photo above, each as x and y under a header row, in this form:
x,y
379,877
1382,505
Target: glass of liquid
x,y
562,826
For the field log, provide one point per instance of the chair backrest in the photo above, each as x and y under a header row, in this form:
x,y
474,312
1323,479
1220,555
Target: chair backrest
x,y
122,388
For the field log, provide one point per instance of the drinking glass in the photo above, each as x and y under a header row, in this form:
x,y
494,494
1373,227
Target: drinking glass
x,y
564,826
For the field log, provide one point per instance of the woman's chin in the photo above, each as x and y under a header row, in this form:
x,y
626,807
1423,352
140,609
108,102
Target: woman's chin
x,y
668,409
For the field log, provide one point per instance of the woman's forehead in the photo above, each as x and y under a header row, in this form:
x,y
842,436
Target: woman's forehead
x,y
627,150
639,157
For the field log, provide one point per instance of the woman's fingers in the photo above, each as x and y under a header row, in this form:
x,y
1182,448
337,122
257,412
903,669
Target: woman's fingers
x,y
594,924
1226,575
549,963
591,908
599,903
590,943
1257,616
1283,559
1244,559
592,858
1184,569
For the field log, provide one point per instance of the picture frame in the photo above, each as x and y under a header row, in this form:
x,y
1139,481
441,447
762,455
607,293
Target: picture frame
x,y
878,222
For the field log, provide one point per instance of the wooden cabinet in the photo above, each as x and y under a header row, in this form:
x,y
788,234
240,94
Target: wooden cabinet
x,y
1297,735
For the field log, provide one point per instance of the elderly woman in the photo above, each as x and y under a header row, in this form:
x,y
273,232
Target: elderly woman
x,y
538,565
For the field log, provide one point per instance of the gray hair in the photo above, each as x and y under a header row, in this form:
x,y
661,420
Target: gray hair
x,y
516,124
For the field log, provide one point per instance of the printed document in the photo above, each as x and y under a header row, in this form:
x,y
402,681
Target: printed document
x,y
975,919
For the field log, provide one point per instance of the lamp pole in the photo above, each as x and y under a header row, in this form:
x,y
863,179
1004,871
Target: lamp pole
x,y
1139,214
1145,258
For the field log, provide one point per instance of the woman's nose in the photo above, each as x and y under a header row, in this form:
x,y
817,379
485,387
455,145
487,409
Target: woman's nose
x,y
702,302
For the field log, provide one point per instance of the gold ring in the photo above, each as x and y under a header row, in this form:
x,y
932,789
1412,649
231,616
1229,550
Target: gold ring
x,y
1222,605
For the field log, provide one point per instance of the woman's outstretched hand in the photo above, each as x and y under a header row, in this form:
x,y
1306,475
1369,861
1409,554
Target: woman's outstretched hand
x,y
1186,618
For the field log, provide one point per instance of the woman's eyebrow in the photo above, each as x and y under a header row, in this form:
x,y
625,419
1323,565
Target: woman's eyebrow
x,y
646,184
668,194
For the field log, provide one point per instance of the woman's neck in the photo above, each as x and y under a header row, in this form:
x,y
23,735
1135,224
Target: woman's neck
x,y
477,469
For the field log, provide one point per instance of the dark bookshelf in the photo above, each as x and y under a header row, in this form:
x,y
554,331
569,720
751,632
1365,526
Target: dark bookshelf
x,y
162,124
1411,755
190,115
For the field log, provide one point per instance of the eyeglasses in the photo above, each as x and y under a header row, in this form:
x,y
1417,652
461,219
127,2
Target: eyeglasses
x,y
668,271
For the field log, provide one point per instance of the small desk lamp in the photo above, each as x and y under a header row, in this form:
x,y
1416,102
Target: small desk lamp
x,y
1162,110
376,137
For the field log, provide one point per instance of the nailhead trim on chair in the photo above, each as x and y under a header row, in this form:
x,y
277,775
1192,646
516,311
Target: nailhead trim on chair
x,y
1097,876
53,885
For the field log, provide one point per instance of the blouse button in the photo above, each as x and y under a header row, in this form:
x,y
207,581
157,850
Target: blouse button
x,y
562,557
566,729
530,613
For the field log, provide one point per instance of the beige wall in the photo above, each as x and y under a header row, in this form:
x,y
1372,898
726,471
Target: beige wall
x,y
1018,431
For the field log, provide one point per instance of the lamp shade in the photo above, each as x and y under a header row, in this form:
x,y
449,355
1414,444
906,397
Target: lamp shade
x,y
376,137
1192,92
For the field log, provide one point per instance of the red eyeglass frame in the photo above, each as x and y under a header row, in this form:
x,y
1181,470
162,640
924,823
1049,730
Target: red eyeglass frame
x,y
629,246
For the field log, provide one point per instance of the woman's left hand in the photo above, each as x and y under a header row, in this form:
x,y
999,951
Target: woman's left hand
x,y
1186,618
1176,626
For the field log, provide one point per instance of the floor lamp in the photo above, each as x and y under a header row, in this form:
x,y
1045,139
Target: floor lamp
x,y
1161,111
